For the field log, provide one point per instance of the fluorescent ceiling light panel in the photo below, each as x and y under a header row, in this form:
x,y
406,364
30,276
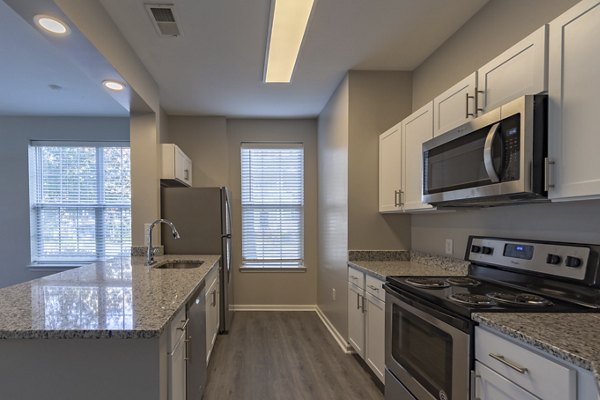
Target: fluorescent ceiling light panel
x,y
288,26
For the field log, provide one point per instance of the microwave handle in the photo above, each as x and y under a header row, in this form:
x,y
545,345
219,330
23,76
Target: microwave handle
x,y
487,153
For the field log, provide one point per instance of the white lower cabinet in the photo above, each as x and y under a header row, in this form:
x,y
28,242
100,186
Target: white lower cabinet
x,y
366,319
176,357
508,369
493,386
356,319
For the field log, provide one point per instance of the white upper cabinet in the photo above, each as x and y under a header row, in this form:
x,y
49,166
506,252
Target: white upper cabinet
x,y
390,169
518,71
573,107
416,129
455,106
176,166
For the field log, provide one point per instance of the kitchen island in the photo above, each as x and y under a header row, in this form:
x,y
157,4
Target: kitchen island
x,y
95,332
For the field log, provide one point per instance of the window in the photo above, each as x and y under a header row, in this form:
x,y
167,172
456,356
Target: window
x,y
272,205
80,198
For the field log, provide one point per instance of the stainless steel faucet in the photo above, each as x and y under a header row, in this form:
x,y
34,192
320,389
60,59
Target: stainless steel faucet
x,y
150,256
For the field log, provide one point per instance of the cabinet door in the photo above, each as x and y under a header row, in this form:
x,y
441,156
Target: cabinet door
x,y
390,169
573,87
183,167
417,128
375,332
492,386
356,319
177,388
520,70
455,106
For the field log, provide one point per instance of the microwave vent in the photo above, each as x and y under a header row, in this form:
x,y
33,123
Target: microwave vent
x,y
164,19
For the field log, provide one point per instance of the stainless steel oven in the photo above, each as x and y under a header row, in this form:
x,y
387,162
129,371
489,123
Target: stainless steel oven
x,y
427,350
497,158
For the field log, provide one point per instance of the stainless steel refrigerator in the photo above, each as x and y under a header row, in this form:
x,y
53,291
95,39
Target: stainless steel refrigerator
x,y
203,218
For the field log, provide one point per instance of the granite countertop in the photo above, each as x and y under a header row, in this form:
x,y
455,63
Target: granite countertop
x,y
574,338
119,298
416,264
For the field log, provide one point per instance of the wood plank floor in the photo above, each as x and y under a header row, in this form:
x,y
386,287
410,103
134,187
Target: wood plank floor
x,y
284,355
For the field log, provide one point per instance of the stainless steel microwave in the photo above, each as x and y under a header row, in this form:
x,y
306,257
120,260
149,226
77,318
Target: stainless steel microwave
x,y
495,159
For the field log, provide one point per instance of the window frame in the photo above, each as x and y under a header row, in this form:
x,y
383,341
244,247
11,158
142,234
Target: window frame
x,y
100,206
254,265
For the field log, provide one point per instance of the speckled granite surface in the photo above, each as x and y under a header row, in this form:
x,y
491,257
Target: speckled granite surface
x,y
120,298
378,255
381,269
571,337
141,251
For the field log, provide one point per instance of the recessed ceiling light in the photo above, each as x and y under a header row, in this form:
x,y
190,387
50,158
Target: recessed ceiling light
x,y
290,18
52,25
113,85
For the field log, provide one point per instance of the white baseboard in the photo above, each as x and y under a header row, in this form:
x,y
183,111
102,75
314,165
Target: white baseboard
x,y
344,345
273,307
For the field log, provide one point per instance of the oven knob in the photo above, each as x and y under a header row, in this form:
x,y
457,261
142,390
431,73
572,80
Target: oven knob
x,y
475,249
487,250
573,262
553,259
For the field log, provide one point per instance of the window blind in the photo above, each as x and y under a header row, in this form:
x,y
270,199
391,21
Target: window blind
x,y
80,197
272,205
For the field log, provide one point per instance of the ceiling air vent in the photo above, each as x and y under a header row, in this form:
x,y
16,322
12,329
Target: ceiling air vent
x,y
163,19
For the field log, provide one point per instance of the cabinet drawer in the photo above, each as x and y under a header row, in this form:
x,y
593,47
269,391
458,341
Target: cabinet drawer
x,y
176,328
356,277
491,386
541,376
374,287
212,276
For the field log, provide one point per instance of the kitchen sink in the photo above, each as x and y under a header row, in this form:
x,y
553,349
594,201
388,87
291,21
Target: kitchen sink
x,y
180,265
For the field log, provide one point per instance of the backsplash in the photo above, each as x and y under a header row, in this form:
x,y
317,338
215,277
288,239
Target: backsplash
x,y
140,251
378,255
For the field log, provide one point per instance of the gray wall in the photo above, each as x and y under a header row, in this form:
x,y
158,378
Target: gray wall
x,y
213,144
364,105
15,135
378,100
333,208
495,28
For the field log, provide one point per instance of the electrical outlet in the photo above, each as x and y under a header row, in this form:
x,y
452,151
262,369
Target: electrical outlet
x,y
146,232
449,246
333,294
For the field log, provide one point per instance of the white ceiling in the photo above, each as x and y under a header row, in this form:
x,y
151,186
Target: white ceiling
x,y
216,67
30,63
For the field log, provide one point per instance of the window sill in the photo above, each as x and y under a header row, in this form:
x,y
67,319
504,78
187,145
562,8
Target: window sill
x,y
271,269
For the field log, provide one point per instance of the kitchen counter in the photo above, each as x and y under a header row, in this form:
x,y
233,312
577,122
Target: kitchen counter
x,y
120,298
420,264
574,338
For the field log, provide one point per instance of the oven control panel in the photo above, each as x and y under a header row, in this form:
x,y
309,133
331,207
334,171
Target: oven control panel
x,y
564,260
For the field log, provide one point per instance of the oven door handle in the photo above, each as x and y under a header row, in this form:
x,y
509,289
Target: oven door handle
x,y
488,161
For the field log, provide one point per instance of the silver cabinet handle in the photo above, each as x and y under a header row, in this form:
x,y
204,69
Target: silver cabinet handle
x,y
357,301
402,197
214,297
187,357
467,113
186,174
185,324
396,198
353,277
510,364
477,93
547,164
364,310
373,287
487,153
